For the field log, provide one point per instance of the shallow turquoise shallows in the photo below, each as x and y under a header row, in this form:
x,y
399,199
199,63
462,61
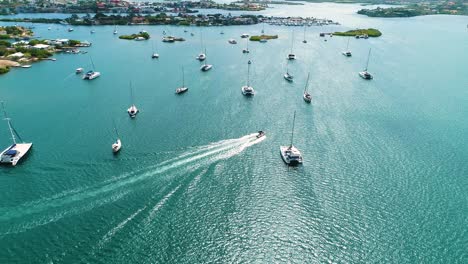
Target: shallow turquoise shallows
x,y
385,173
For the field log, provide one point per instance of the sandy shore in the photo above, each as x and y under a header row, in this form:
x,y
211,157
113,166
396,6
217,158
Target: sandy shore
x,y
4,63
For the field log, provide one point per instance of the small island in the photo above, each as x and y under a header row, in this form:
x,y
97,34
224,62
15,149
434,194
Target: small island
x,y
454,7
258,38
143,35
370,32
25,50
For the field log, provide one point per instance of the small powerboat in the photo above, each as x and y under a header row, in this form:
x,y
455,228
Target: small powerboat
x,y
260,134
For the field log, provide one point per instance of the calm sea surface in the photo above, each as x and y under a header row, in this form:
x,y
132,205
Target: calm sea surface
x,y
385,176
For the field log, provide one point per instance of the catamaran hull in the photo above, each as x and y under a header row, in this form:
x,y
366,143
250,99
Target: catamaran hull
x,y
22,150
290,162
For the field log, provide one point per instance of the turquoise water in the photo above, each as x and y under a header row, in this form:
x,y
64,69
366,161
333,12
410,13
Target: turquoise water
x,y
384,178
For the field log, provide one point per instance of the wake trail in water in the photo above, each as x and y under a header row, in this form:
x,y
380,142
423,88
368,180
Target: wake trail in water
x,y
94,195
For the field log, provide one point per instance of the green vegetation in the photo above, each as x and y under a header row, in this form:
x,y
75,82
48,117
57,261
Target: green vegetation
x,y
4,43
4,70
453,7
145,35
73,42
371,32
258,38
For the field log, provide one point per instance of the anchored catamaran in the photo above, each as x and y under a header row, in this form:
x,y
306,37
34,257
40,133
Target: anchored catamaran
x,y
290,154
365,74
13,154
182,89
248,90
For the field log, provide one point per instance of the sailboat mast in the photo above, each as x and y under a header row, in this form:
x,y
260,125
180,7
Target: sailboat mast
x,y
307,83
248,74
368,57
183,77
292,132
347,45
92,63
292,42
131,93
304,31
9,124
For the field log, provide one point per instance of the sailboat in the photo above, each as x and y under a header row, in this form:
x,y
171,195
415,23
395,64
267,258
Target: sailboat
x,y
115,30
132,110
263,27
304,41
246,50
91,74
287,76
13,154
202,55
154,55
290,154
307,97
248,90
365,74
347,53
118,143
182,89
291,55
206,67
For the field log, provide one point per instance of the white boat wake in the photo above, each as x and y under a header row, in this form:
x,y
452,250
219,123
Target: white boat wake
x,y
73,202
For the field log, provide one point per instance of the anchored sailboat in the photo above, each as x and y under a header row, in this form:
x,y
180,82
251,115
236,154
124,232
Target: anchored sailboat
x,y
347,53
182,89
118,143
291,55
365,74
202,55
287,76
246,50
206,67
13,154
290,154
307,97
133,110
248,90
154,55
91,74
115,30
304,41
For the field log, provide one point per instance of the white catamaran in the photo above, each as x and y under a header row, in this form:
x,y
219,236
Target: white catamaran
x,y
13,154
182,89
91,74
365,74
248,90
347,53
290,154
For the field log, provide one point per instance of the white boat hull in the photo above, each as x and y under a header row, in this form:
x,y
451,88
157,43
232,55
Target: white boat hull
x,y
366,75
117,146
247,90
206,67
285,152
21,150
92,76
181,90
